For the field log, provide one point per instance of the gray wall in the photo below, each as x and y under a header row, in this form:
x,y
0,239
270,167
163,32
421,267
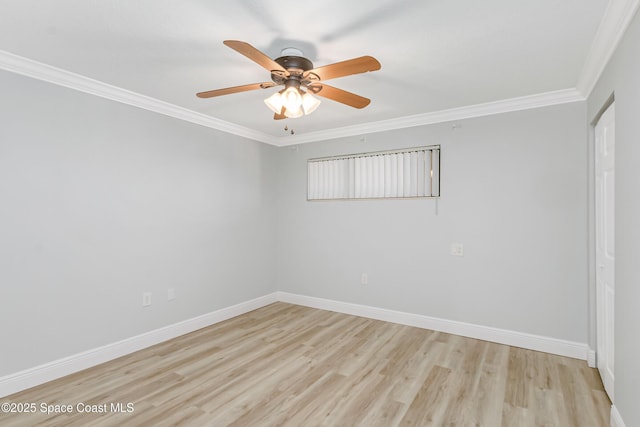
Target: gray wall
x,y
100,202
514,192
622,78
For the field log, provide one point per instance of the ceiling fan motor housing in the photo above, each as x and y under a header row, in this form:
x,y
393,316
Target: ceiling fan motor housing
x,y
295,62
295,66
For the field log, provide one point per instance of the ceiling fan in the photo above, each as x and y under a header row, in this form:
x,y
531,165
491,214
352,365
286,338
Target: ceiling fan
x,y
300,80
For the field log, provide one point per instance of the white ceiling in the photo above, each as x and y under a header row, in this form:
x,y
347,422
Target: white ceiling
x,y
435,54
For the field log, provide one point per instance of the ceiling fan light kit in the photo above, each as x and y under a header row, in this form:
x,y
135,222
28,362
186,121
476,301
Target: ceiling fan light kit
x,y
300,80
292,102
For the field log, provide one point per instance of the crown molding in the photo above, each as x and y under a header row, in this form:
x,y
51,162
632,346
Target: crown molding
x,y
617,14
37,70
615,21
497,107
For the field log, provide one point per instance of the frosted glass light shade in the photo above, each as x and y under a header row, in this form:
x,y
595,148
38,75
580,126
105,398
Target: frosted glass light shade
x,y
294,114
309,103
274,102
292,99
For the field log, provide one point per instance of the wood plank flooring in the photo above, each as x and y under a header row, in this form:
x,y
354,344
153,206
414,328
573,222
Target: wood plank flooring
x,y
286,365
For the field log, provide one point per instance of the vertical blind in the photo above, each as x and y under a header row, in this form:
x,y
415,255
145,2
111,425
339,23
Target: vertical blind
x,y
407,173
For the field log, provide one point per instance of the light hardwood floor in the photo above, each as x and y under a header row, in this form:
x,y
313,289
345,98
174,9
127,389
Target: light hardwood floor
x,y
286,365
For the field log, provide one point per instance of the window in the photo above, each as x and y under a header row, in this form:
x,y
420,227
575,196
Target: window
x,y
407,173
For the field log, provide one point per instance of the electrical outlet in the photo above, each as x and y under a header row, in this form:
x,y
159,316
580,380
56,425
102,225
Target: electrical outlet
x,y
457,249
364,279
146,299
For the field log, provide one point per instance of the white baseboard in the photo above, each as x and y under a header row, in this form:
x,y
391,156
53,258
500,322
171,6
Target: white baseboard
x,y
502,336
59,368
616,419
591,358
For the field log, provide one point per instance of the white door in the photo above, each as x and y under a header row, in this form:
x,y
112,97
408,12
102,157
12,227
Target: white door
x,y
605,254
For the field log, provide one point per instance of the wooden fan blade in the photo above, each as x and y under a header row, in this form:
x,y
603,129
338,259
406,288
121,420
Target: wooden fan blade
x,y
346,68
255,55
339,95
280,116
235,89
